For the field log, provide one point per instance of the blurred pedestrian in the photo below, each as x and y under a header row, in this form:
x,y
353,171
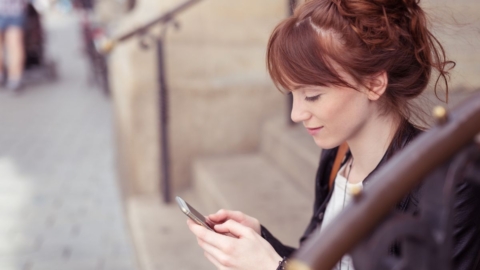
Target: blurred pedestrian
x,y
12,20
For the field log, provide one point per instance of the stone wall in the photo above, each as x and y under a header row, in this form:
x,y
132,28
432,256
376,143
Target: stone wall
x,y
456,25
220,92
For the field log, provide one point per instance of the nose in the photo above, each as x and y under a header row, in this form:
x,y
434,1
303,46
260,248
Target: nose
x,y
299,111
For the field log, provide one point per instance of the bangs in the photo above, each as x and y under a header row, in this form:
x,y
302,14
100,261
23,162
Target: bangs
x,y
301,53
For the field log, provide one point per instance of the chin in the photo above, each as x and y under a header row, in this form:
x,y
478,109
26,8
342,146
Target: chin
x,y
324,144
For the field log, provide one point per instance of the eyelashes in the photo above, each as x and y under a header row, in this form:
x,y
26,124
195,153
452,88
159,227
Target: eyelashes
x,y
312,98
307,98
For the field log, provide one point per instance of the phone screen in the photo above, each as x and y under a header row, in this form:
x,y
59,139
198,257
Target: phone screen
x,y
193,214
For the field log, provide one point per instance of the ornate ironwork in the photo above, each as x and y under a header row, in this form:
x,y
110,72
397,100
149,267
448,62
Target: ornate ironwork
x,y
422,240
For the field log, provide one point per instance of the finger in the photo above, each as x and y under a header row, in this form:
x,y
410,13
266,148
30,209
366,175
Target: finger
x,y
192,223
209,222
223,230
197,230
214,261
224,215
235,228
217,255
219,217
220,241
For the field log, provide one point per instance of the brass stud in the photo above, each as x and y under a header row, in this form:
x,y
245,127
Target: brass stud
x,y
105,46
440,114
356,192
297,265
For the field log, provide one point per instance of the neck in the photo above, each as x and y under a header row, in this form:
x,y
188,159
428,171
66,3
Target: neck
x,y
369,145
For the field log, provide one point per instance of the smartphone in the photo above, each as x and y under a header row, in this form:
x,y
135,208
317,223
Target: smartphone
x,y
193,214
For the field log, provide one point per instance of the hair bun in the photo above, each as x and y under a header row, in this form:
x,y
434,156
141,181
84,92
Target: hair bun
x,y
364,37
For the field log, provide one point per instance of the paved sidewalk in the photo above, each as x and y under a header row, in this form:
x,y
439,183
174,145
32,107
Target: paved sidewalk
x,y
60,204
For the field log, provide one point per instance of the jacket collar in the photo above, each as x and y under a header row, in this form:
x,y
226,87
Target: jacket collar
x,y
404,135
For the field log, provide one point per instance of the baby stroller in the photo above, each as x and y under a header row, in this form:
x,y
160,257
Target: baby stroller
x,y
37,67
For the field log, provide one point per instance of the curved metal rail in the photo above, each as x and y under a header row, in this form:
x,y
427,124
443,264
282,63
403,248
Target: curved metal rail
x,y
107,45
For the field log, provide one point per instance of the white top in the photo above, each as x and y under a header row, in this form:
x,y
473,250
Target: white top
x,y
341,197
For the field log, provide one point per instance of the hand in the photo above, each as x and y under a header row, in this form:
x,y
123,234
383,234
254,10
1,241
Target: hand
x,y
247,250
223,215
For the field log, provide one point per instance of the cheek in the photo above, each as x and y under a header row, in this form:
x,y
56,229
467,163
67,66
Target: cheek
x,y
342,118
332,112
328,109
351,117
340,109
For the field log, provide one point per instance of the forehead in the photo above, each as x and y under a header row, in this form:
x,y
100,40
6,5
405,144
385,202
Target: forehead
x,y
296,87
345,79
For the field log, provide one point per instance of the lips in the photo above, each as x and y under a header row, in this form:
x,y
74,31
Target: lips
x,y
313,131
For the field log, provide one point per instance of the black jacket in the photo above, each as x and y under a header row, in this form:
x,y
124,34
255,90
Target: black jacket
x,y
467,206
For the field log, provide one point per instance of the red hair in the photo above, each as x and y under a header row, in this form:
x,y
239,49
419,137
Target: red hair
x,y
365,38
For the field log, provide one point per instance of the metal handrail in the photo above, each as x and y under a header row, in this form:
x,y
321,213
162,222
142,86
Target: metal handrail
x,y
389,185
106,45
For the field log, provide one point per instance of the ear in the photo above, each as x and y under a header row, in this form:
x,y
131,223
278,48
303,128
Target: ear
x,y
377,85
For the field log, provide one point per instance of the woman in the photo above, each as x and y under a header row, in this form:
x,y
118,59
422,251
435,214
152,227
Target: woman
x,y
353,68
12,20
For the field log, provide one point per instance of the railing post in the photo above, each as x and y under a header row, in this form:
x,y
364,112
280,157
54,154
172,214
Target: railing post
x,y
106,45
163,118
291,8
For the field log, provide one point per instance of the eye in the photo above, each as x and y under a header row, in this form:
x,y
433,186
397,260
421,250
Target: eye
x,y
312,98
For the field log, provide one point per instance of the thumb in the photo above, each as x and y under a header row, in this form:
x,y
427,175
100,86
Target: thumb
x,y
223,230
219,217
231,226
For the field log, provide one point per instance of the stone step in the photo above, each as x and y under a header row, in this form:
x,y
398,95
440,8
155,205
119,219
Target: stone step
x,y
293,150
162,238
252,184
